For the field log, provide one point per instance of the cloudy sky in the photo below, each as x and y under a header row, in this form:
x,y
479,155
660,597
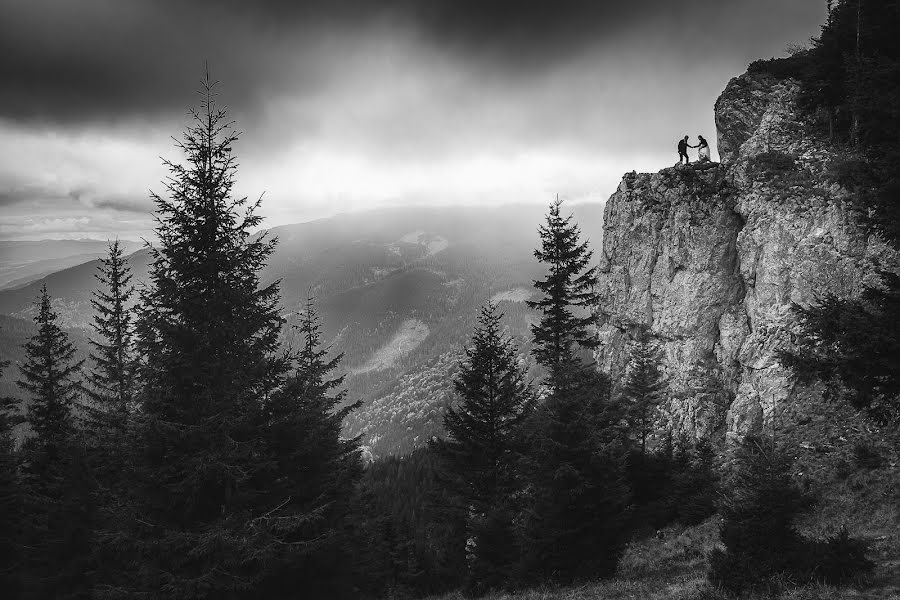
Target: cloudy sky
x,y
353,104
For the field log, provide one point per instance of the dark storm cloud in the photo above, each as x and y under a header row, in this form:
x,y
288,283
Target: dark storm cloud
x,y
71,62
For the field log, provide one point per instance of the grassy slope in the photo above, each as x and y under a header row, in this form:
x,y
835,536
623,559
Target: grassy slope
x,y
823,437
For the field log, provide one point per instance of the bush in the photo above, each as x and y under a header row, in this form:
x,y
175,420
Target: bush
x,y
866,456
851,173
838,560
800,66
773,162
762,549
761,542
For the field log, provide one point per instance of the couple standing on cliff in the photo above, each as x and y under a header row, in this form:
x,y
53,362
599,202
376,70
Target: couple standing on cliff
x,y
702,145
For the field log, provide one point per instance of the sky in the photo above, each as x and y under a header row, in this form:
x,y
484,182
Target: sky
x,y
346,105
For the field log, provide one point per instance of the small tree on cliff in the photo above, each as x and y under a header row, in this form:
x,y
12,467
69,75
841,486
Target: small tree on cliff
x,y
495,399
569,286
644,388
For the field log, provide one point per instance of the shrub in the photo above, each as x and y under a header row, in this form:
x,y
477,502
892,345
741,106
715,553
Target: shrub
x,y
838,560
866,456
762,549
761,542
773,162
695,487
799,66
851,173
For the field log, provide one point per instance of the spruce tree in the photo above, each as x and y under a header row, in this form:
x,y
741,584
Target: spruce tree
x,y
56,493
480,453
569,286
236,464
576,525
111,381
853,345
314,369
318,469
758,528
49,377
643,389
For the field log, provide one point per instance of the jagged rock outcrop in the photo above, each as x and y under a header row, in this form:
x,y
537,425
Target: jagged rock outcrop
x,y
710,259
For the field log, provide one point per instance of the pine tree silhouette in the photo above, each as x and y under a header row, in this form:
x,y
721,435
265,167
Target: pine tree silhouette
x,y
57,503
49,376
568,286
577,520
480,452
238,459
111,380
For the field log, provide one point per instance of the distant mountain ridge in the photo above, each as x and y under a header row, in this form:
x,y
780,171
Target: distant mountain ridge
x,y
22,262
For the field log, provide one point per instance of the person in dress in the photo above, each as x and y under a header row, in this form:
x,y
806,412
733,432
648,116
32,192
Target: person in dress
x,y
703,151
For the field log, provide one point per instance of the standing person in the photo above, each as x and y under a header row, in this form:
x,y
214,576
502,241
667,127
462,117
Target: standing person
x,y
682,150
704,150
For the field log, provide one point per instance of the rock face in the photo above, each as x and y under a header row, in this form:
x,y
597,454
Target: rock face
x,y
711,258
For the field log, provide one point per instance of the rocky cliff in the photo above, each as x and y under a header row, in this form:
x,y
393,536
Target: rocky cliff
x,y
710,258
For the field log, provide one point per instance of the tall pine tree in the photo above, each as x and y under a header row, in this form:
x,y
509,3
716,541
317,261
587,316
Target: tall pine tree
x,y
49,376
236,464
568,289
111,380
480,454
315,467
576,525
57,503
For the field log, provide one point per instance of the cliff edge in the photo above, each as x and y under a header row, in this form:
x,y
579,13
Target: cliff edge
x,y
710,259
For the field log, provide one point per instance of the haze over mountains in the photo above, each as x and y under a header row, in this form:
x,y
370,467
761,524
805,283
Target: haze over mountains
x,y
21,262
398,291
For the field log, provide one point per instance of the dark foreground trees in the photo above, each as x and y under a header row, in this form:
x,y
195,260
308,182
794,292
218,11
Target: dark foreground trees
x,y
239,471
54,496
576,521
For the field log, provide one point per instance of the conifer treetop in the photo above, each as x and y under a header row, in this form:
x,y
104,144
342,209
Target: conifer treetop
x,y
570,285
494,400
112,378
